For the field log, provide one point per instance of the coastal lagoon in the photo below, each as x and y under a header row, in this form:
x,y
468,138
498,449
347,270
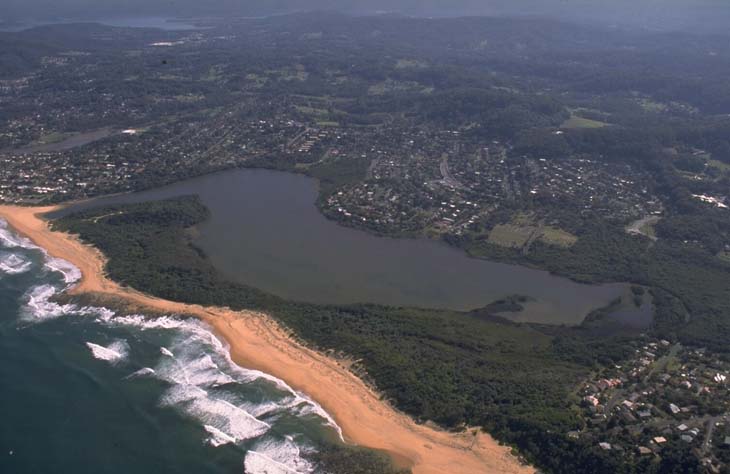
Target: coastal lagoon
x,y
265,231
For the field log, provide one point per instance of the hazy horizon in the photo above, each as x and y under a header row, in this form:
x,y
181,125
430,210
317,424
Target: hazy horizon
x,y
696,15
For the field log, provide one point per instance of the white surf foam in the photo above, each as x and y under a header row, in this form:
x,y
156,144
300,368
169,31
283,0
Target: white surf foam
x,y
200,371
71,274
271,456
100,312
13,264
114,353
40,308
147,323
143,372
186,366
257,463
192,369
306,404
10,239
217,437
299,400
234,421
262,409
182,393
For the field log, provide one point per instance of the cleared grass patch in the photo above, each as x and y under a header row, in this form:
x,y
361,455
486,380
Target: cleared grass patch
x,y
410,63
53,137
390,86
580,122
522,230
724,167
312,110
557,237
648,230
510,235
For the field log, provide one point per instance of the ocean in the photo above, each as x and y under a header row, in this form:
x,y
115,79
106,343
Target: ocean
x,y
84,389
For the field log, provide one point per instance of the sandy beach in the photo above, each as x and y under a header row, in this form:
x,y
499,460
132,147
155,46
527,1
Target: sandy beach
x,y
258,342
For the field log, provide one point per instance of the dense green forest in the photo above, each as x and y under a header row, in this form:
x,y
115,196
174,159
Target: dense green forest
x,y
345,459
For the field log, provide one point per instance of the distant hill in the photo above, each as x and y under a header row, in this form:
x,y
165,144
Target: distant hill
x,y
18,57
710,16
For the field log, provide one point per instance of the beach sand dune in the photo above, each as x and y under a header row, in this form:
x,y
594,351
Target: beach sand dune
x,y
258,342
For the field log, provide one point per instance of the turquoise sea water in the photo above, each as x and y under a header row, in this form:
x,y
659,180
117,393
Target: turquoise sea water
x,y
86,390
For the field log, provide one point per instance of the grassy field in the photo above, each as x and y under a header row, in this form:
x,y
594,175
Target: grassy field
x,y
510,235
410,63
724,167
579,122
215,73
312,110
54,137
648,230
389,86
557,237
522,230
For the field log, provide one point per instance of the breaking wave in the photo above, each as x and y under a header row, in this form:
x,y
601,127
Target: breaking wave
x,y
276,457
204,370
70,273
217,437
10,239
13,264
228,419
143,372
114,353
202,380
199,361
40,306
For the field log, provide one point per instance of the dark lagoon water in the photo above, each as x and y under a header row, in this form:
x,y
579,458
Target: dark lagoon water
x,y
265,231
86,390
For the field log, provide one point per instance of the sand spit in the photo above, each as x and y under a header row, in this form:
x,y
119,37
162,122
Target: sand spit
x,y
258,342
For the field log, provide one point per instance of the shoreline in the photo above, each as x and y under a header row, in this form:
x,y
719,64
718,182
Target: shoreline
x,y
257,341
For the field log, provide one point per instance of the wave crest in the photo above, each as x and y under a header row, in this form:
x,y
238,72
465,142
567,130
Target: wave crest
x,y
40,307
13,264
114,353
276,457
10,239
197,331
71,274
